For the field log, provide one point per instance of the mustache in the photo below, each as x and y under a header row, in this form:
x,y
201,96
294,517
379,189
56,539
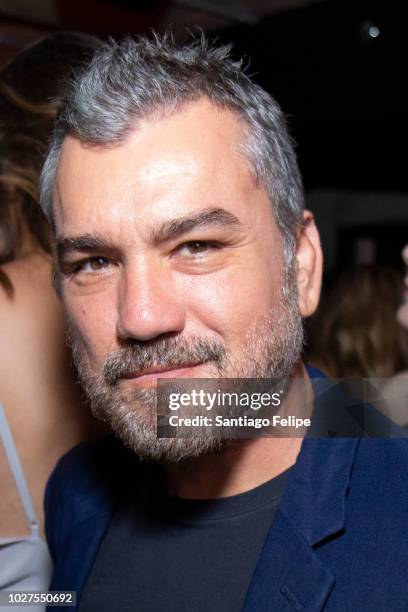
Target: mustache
x,y
174,352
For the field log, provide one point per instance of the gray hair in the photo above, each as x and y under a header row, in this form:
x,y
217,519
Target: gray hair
x,y
152,76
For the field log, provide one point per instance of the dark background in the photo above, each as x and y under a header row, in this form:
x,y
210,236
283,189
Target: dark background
x,y
337,68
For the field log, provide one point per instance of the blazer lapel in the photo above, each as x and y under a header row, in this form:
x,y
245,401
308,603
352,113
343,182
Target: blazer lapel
x,y
81,551
289,574
77,552
95,493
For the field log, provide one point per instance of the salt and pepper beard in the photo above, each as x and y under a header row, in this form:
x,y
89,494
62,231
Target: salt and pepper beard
x,y
272,348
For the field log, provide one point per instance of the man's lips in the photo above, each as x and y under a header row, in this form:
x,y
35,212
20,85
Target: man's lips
x,y
167,371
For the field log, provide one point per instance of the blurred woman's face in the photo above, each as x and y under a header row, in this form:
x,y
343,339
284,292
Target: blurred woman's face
x,y
402,313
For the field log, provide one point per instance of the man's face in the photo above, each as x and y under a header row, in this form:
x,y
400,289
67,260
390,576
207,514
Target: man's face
x,y
170,266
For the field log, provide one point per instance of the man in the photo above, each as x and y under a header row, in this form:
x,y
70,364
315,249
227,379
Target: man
x,y
184,251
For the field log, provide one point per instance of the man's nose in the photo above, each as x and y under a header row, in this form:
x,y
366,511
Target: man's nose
x,y
148,304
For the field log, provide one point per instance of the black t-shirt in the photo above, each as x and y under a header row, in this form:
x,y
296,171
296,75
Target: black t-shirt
x,y
166,554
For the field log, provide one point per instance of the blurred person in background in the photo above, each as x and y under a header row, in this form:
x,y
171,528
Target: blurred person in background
x,y
402,312
355,332
41,412
396,389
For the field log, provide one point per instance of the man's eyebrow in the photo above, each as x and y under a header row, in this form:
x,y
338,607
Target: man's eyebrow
x,y
168,231
209,217
85,242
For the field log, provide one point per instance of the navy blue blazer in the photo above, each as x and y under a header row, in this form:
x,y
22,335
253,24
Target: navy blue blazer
x,y
338,542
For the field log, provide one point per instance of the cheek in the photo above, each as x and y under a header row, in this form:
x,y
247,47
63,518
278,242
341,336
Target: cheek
x,y
94,323
232,300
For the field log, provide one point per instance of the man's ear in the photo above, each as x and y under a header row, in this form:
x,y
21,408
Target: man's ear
x,y
309,265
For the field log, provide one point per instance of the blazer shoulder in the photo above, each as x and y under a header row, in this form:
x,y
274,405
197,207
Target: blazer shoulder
x,y
379,470
385,451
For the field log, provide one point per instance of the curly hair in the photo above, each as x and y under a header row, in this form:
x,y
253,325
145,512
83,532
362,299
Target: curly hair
x,y
29,85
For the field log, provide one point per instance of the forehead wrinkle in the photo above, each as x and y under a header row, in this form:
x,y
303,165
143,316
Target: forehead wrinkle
x,y
168,166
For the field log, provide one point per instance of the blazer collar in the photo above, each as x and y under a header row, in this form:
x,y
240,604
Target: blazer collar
x,y
314,499
289,574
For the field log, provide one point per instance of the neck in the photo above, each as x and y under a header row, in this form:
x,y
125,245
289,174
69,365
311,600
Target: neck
x,y
244,464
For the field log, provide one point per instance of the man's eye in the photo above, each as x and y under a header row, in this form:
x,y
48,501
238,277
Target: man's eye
x,y
91,264
198,247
